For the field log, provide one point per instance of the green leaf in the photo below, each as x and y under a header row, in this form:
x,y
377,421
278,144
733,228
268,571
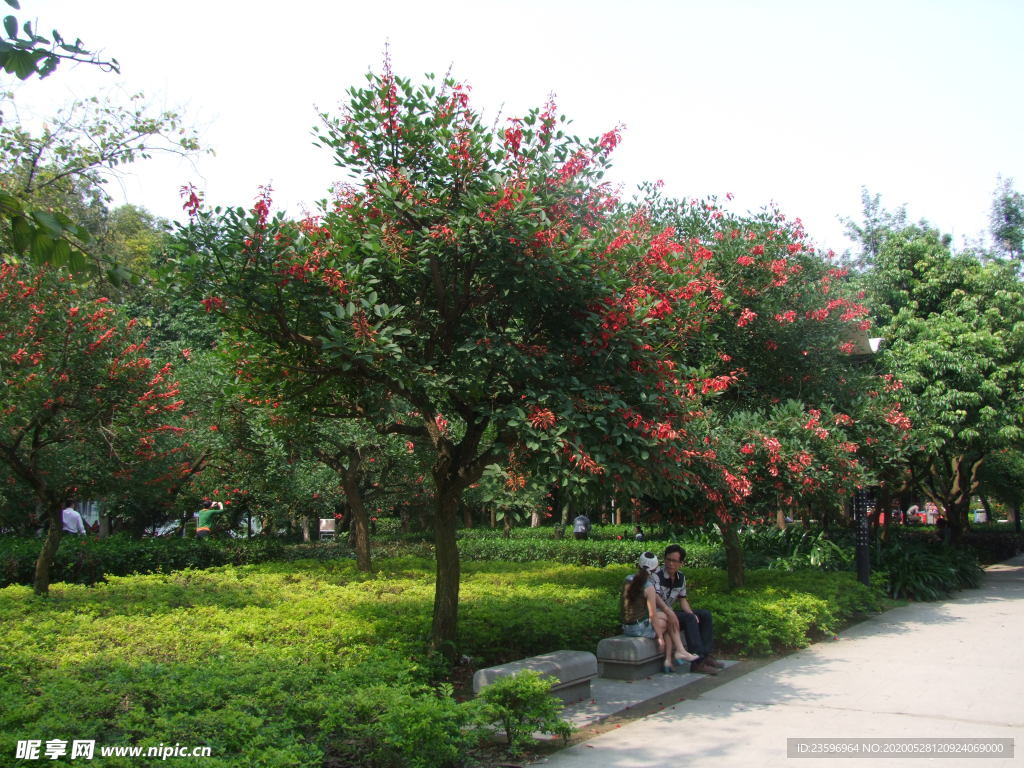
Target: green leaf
x,y
63,254
43,248
20,63
22,233
49,221
11,26
48,66
9,204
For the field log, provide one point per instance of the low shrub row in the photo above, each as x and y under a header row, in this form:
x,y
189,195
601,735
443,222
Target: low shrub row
x,y
652,532
933,571
384,532
88,560
312,663
993,545
586,552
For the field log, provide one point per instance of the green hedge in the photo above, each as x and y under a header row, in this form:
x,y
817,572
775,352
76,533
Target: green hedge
x,y
88,560
586,552
992,544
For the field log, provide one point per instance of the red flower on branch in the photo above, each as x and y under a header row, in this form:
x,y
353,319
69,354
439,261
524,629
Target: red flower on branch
x,y
362,329
193,200
541,418
747,316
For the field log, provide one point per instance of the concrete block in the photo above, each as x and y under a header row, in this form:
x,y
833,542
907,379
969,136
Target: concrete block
x,y
573,669
628,658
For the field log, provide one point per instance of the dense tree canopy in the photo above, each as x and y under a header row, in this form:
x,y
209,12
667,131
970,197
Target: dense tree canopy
x,y
954,330
480,291
84,408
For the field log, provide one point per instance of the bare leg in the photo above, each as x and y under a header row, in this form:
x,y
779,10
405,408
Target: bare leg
x,y
664,643
673,620
659,632
681,654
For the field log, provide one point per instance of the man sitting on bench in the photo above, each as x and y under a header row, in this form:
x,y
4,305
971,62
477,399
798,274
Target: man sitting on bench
x,y
696,625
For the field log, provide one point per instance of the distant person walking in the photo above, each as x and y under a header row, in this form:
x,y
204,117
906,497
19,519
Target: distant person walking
x,y
71,521
581,527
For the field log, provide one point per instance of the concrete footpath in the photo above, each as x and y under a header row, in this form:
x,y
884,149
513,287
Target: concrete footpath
x,y
951,670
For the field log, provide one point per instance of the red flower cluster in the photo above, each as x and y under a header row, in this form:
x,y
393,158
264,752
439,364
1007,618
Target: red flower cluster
x,y
193,200
747,316
541,418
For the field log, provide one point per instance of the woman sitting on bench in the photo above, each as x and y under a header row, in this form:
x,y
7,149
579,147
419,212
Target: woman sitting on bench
x,y
640,616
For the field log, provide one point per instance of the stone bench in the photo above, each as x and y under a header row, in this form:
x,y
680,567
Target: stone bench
x,y
629,658
573,669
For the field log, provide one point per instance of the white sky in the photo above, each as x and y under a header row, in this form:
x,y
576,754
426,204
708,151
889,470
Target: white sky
x,y
793,101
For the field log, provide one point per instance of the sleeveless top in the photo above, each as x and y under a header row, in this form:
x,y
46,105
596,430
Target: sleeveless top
x,y
635,610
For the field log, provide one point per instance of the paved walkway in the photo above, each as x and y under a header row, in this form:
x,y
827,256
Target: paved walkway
x,y
951,669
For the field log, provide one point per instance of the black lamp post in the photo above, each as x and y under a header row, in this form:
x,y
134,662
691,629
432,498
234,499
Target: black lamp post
x,y
863,499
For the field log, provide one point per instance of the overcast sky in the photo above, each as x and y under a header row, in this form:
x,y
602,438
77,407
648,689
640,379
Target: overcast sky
x,y
800,103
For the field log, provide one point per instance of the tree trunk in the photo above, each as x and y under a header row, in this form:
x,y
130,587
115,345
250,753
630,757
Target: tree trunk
x,y
359,520
780,519
448,571
41,585
956,521
535,519
733,555
989,515
958,500
304,527
467,516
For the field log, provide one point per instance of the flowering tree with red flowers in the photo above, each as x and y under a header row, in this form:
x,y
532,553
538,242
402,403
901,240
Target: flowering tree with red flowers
x,y
478,290
797,422
82,403
789,458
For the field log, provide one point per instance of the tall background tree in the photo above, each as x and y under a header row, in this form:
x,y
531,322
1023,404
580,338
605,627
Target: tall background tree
x,y
1006,220
954,337
83,407
790,433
